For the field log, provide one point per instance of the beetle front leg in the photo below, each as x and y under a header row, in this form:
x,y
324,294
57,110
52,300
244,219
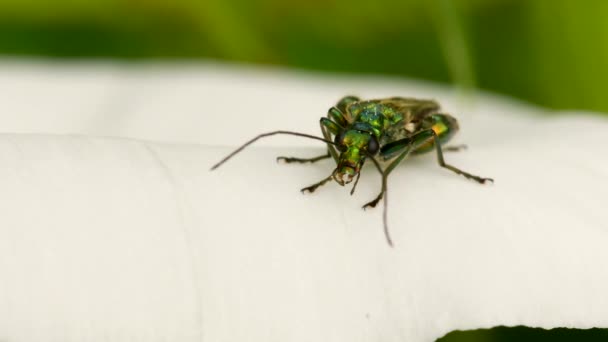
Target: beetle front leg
x,y
345,101
303,160
328,127
334,123
312,188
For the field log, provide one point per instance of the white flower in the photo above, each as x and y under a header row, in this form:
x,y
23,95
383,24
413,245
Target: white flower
x,y
116,239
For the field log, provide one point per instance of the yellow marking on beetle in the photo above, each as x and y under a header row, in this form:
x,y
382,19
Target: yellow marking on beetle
x,y
439,128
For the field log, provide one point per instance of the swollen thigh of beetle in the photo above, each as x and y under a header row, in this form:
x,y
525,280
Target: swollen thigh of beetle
x,y
444,134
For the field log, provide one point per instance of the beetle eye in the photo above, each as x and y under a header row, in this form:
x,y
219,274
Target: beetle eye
x,y
339,140
372,145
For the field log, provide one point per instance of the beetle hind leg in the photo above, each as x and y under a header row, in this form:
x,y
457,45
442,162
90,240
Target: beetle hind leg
x,y
478,179
455,148
442,163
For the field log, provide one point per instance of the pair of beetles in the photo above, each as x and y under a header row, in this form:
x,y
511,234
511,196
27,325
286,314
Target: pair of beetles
x,y
384,131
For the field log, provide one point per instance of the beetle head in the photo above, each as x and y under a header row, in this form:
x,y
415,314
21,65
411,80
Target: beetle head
x,y
354,145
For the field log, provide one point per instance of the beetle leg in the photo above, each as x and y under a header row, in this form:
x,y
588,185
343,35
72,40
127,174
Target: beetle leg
x,y
442,163
304,160
383,194
328,127
314,187
264,135
345,101
456,148
373,203
405,145
334,123
424,137
324,123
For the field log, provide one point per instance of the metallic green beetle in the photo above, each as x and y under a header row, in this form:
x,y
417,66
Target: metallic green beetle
x,y
382,130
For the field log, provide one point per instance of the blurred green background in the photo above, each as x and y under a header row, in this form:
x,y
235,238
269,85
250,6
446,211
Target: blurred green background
x,y
525,334
550,52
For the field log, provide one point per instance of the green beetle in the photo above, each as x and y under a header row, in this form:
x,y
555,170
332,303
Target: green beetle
x,y
382,130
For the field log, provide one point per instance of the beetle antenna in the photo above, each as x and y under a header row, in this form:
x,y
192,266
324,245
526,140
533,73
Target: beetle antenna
x,y
267,135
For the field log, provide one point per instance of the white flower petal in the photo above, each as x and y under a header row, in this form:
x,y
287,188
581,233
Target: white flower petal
x,y
119,239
